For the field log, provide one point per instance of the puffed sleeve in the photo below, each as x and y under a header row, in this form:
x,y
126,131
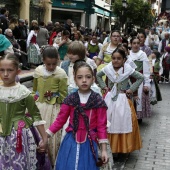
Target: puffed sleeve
x,y
146,73
99,76
102,125
62,89
60,120
33,111
139,79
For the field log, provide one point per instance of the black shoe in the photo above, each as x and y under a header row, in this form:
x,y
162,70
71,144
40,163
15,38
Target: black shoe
x,y
139,121
25,68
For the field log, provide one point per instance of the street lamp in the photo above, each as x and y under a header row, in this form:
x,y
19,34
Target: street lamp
x,y
124,5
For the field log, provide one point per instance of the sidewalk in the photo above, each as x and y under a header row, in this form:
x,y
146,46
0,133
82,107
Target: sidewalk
x,y
155,132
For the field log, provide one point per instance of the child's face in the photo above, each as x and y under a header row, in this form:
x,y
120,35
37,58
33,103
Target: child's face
x,y
117,60
73,57
8,72
141,38
84,79
50,63
153,56
135,45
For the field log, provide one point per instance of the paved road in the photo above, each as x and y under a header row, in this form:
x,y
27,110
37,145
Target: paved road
x,y
155,132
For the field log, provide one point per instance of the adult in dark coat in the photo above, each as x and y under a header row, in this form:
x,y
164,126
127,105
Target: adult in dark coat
x,y
20,33
68,25
21,56
3,20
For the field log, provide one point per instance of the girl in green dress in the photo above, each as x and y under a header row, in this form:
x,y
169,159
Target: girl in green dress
x,y
17,143
50,89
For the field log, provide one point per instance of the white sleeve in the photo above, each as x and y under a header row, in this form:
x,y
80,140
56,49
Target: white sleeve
x,y
157,40
56,46
147,41
161,68
101,55
146,73
105,40
100,45
29,38
160,46
9,50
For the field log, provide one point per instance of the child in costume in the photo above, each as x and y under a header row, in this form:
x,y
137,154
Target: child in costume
x,y
123,133
77,51
33,48
18,147
156,71
87,125
166,65
50,89
141,60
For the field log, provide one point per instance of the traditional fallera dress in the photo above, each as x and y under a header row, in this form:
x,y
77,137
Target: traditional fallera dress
x,y
34,56
155,93
87,125
17,144
105,55
123,133
141,60
93,49
62,50
49,90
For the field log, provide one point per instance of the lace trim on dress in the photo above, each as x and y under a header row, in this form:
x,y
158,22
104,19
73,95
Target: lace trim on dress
x,y
14,93
42,122
103,141
50,133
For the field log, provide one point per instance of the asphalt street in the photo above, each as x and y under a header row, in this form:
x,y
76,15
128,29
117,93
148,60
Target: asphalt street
x,y
155,132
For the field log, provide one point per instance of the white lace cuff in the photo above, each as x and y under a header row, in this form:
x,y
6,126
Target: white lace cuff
x,y
50,133
41,122
103,141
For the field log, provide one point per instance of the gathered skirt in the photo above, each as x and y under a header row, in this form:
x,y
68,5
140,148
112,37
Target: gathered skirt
x,y
146,108
34,56
10,159
126,142
74,156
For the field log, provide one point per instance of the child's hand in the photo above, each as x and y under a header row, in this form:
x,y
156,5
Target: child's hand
x,y
42,147
106,89
104,157
145,89
129,93
136,98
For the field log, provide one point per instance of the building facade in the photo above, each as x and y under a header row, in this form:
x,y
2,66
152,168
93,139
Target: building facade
x,y
39,10
89,13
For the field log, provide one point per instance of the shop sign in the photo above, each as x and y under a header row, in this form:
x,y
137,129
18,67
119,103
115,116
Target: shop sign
x,y
101,11
69,4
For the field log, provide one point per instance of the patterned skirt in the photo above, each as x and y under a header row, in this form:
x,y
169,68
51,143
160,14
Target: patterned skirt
x,y
146,108
34,56
10,159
